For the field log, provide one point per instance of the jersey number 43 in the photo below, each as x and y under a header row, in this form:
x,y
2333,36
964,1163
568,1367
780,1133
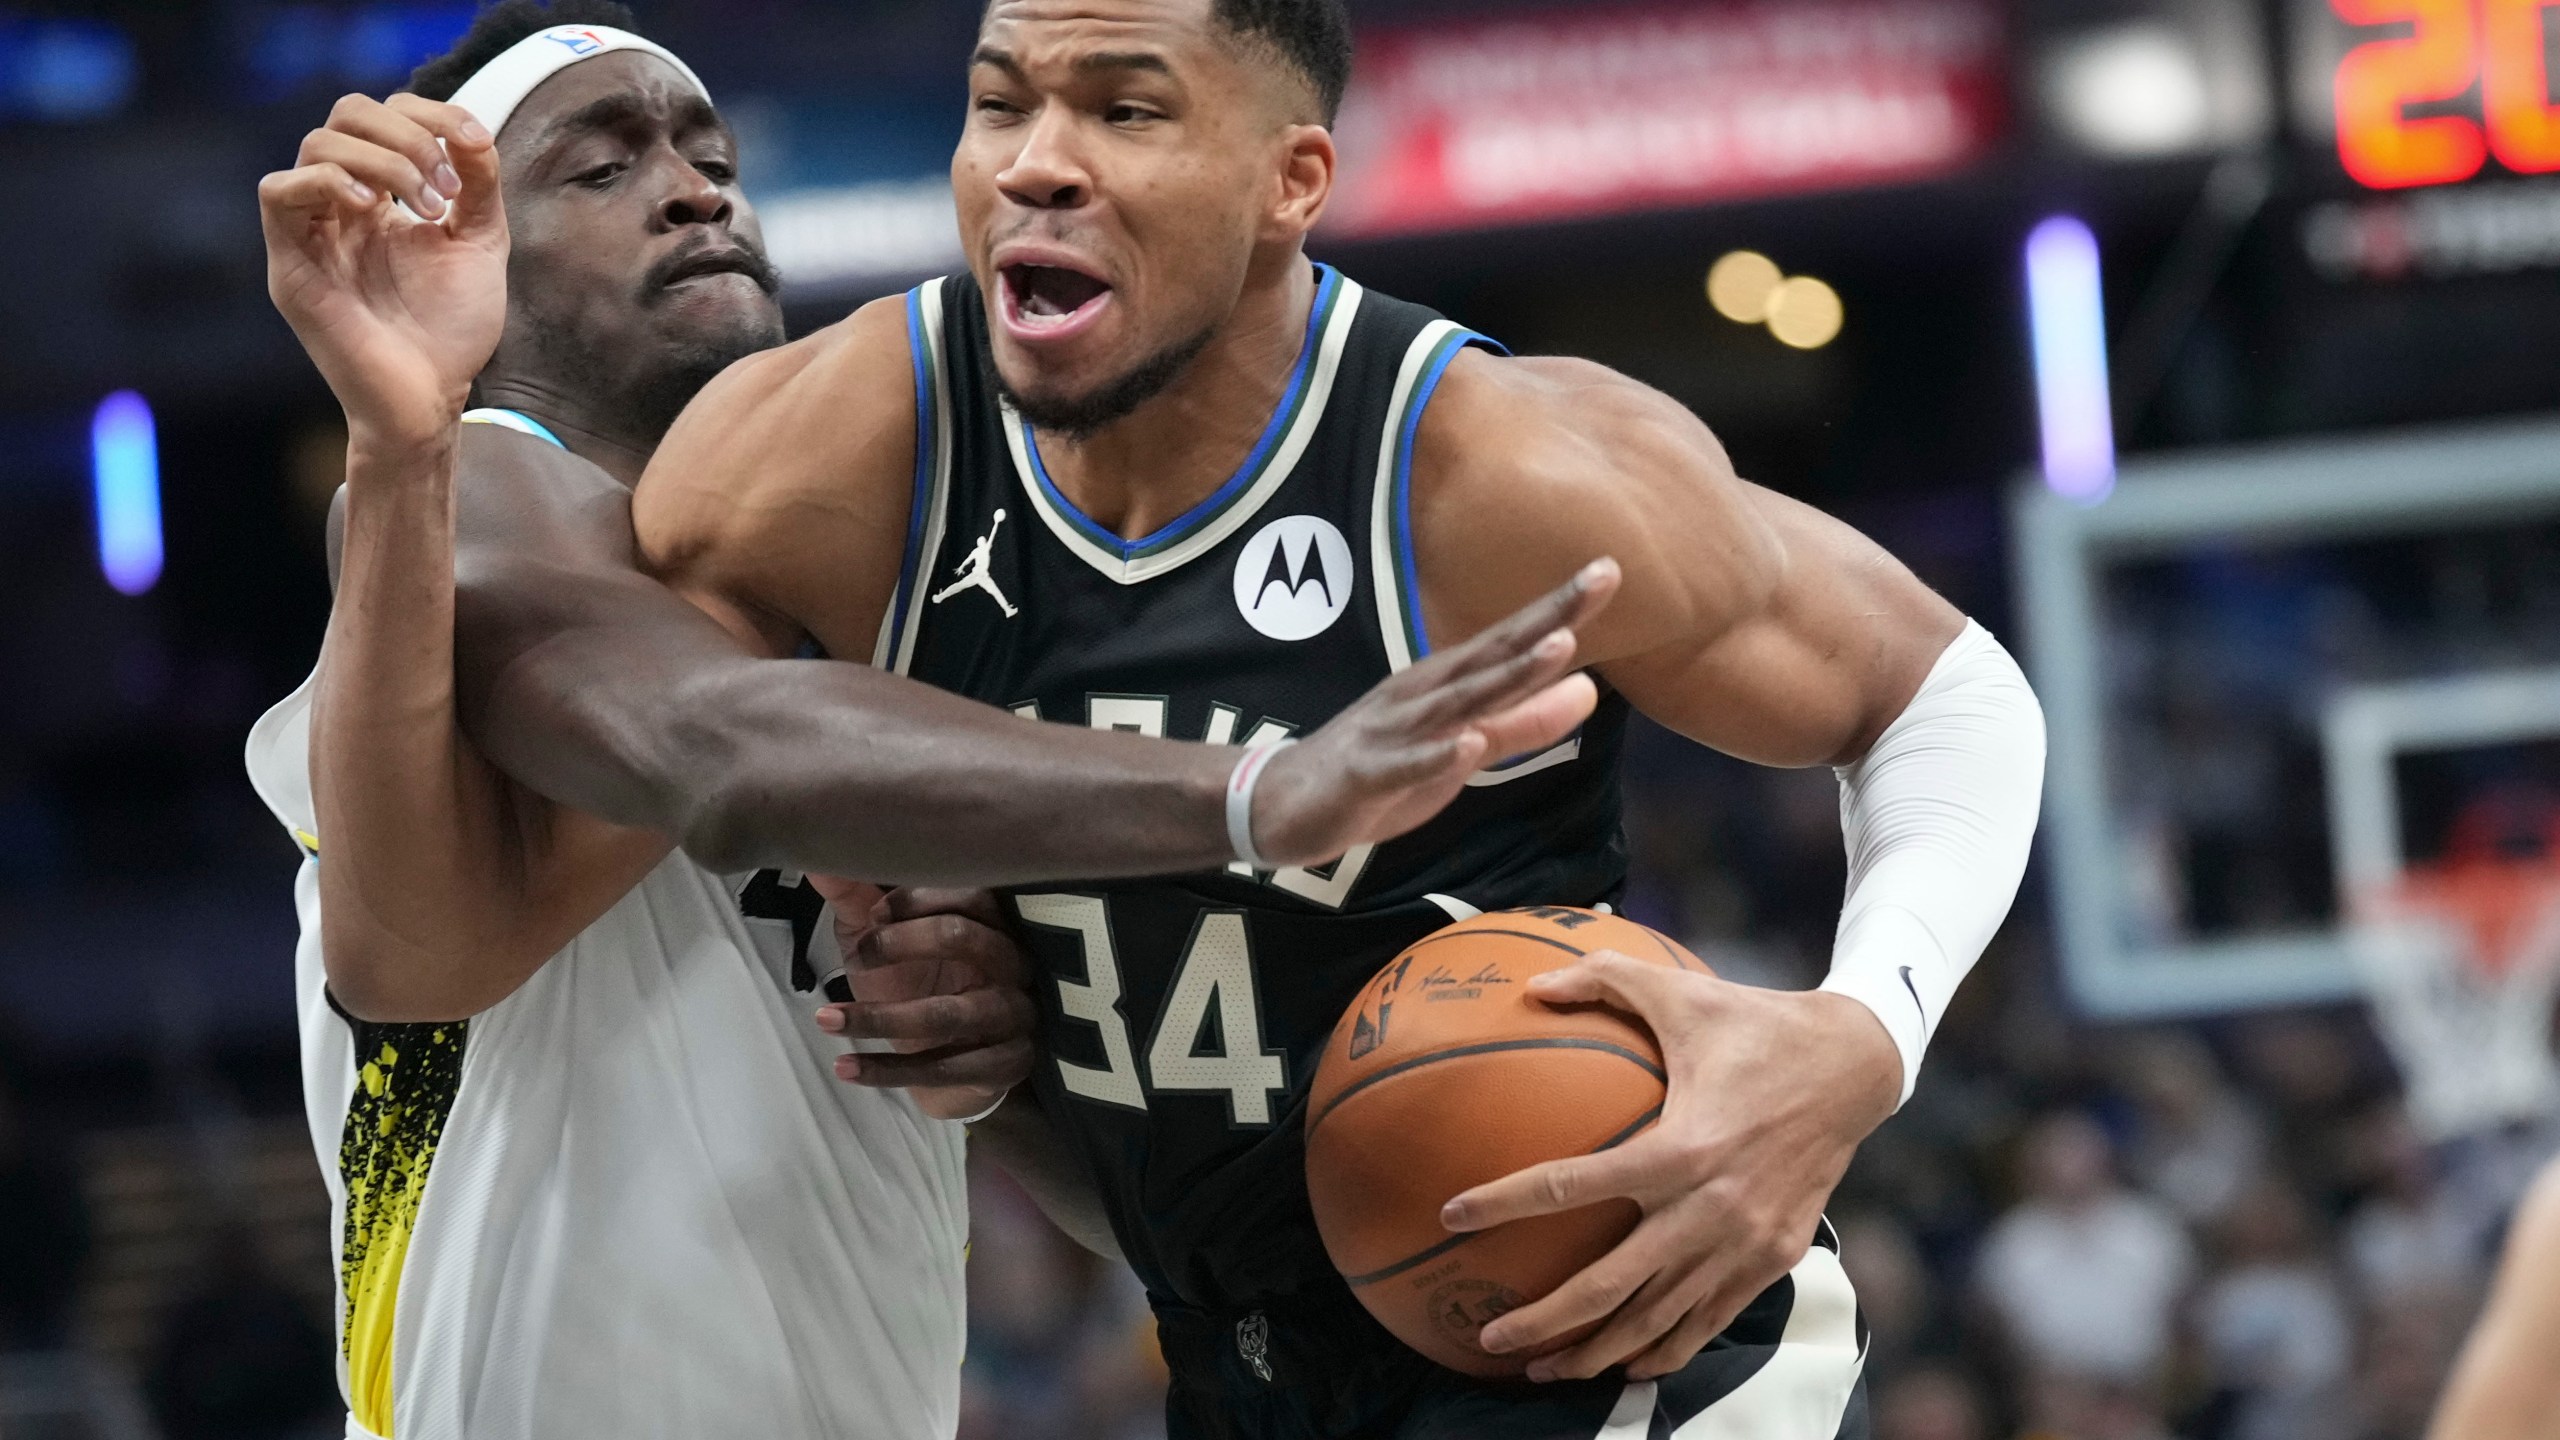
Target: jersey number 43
x,y
1213,983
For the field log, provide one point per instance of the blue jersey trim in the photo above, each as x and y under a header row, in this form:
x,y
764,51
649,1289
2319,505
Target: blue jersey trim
x,y
539,430
920,354
1328,285
1405,569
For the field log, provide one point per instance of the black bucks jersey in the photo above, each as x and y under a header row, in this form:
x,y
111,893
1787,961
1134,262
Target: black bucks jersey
x,y
1184,1016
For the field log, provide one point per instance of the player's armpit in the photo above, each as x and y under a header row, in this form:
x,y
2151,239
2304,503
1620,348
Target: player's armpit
x,y
1748,622
779,500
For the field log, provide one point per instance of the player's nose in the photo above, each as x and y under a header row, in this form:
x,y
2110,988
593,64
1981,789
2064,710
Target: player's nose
x,y
692,199
1045,173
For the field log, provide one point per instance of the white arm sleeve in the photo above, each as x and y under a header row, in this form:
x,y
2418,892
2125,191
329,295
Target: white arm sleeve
x,y
1938,818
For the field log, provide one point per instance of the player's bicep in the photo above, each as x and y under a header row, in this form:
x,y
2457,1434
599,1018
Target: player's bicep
x,y
1806,668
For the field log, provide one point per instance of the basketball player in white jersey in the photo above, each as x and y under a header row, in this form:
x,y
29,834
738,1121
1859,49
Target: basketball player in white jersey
x,y
606,1189
2507,1384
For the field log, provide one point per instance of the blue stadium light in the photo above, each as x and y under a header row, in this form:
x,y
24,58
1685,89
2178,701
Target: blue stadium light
x,y
124,463
65,70
2068,311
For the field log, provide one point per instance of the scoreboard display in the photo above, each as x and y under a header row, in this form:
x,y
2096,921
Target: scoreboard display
x,y
2432,92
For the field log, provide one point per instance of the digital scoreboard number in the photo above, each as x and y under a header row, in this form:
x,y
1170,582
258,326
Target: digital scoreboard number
x,y
2429,91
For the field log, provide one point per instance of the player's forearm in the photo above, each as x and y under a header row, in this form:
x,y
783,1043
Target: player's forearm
x,y
413,842
844,770
1938,818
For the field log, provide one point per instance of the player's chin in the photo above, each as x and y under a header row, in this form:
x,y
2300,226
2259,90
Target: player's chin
x,y
722,322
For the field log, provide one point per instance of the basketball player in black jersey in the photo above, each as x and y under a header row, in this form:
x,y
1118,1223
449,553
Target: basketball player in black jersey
x,y
1144,467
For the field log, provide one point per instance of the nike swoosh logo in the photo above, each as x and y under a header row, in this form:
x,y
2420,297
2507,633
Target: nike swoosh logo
x,y
1915,994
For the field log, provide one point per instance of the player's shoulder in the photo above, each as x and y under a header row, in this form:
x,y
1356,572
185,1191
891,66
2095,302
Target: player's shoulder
x,y
1553,430
840,373
831,413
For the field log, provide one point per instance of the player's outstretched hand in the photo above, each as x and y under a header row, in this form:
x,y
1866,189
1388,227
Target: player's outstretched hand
x,y
1404,750
937,975
398,312
1770,1092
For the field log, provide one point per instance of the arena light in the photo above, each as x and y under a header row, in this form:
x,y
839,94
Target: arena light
x,y
2130,91
1805,313
1740,284
1747,288
124,467
2067,310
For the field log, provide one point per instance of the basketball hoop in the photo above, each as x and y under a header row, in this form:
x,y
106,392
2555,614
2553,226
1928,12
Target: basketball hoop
x,y
2460,958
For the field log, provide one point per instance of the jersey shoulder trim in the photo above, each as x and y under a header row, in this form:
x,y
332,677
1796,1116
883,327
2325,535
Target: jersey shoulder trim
x,y
515,420
1399,587
1266,468
926,346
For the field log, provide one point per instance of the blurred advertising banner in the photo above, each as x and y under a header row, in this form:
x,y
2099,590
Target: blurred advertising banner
x,y
1595,112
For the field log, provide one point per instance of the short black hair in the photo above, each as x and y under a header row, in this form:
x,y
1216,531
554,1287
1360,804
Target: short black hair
x,y
497,29
1313,36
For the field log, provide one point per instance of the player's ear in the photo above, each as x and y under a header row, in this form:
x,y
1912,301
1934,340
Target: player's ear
x,y
1306,170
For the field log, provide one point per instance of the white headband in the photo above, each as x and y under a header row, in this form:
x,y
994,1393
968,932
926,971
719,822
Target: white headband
x,y
497,88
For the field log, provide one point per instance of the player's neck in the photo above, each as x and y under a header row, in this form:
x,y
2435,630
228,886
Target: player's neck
x,y
584,427
1141,472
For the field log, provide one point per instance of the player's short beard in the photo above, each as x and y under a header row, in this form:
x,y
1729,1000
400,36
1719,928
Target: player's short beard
x,y
643,399
1077,417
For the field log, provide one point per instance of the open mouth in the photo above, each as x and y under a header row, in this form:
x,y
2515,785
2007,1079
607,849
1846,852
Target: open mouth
x,y
1050,298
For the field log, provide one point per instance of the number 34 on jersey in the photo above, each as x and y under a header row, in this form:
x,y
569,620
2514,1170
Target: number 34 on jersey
x,y
1213,980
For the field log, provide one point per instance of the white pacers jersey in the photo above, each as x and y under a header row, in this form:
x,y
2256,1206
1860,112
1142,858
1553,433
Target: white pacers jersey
x,y
630,1199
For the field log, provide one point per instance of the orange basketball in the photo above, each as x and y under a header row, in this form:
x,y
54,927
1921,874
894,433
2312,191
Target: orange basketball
x,y
1444,1075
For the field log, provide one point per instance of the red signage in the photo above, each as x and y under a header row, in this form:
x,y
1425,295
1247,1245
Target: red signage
x,y
1594,112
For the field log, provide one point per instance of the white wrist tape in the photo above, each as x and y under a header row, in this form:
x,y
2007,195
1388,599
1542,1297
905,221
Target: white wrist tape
x,y
1241,783
1938,819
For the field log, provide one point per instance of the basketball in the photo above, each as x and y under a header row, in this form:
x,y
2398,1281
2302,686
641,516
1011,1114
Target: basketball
x,y
1443,1075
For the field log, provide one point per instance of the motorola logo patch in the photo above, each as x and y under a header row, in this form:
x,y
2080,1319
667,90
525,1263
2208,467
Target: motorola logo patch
x,y
1294,578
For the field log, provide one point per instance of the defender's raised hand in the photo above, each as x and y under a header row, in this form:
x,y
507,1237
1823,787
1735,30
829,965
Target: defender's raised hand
x,y
398,312
1405,749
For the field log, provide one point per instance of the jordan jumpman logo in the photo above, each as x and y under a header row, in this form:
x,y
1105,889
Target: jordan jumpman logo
x,y
976,574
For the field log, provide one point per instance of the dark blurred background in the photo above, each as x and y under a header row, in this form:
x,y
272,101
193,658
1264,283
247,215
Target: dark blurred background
x,y
2128,1201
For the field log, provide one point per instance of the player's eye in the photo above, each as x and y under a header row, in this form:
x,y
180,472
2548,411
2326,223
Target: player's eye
x,y
996,107
600,175
718,172
1126,113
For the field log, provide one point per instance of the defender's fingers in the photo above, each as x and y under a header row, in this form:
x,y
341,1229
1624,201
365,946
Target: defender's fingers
x,y
458,128
978,1017
368,122
913,980
1553,1186
945,937
1494,686
1541,720
385,169
993,1065
910,901
479,208
289,200
1563,608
